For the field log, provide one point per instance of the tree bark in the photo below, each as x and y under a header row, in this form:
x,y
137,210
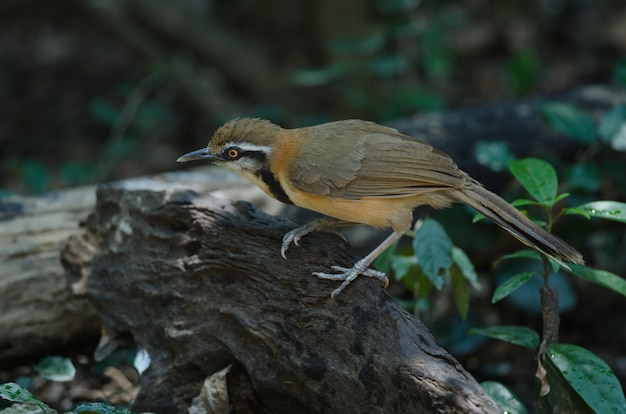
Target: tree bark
x,y
37,311
199,283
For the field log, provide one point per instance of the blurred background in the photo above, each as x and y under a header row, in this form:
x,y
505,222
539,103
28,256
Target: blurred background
x,y
99,90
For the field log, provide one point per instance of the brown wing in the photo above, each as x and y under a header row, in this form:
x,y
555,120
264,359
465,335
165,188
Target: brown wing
x,y
355,159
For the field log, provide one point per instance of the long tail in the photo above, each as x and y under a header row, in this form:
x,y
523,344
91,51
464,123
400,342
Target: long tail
x,y
521,227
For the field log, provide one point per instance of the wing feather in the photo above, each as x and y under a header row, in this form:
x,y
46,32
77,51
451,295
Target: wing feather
x,y
356,159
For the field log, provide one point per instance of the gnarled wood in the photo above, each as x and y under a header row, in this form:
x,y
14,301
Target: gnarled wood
x,y
38,313
200,284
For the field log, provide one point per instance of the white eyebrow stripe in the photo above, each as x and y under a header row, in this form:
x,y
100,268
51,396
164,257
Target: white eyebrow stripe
x,y
246,146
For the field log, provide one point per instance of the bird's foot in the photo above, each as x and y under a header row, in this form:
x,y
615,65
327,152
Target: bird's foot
x,y
348,274
295,235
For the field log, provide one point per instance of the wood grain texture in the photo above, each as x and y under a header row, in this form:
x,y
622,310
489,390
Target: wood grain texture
x,y
37,310
200,284
38,314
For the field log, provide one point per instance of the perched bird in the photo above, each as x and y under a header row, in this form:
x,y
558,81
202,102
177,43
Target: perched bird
x,y
360,172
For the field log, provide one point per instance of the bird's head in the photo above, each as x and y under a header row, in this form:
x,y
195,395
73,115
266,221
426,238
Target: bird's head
x,y
242,145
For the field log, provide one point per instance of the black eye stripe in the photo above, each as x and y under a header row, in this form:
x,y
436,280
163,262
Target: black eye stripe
x,y
260,156
234,153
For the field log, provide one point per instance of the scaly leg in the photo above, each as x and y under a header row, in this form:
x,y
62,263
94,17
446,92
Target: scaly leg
x,y
319,224
347,275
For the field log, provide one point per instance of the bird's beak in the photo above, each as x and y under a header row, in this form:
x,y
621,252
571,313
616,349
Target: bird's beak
x,y
202,154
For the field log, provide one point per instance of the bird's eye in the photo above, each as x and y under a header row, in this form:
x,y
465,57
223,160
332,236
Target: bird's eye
x,y
232,153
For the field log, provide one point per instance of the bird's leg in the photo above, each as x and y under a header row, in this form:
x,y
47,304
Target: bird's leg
x,y
295,235
347,275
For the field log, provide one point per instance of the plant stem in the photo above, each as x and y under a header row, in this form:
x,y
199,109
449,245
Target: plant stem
x,y
549,310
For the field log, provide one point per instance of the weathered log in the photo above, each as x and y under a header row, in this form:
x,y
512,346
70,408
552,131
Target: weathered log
x,y
199,283
38,313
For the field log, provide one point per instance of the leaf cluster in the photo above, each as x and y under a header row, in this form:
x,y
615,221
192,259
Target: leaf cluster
x,y
433,264
56,369
567,375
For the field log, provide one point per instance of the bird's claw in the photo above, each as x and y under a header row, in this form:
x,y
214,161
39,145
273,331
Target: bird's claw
x,y
294,237
344,274
347,275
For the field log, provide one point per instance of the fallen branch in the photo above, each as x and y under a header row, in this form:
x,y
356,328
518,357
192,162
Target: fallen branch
x,y
199,283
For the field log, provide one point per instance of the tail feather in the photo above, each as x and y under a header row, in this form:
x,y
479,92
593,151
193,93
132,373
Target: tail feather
x,y
515,222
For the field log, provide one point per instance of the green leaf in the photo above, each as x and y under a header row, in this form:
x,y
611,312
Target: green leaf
x,y
537,177
608,210
517,335
612,122
433,249
402,265
560,197
99,408
570,121
520,254
560,397
494,154
56,369
15,393
422,288
589,376
465,265
585,177
576,211
477,217
521,202
460,289
602,277
618,143
506,399
512,285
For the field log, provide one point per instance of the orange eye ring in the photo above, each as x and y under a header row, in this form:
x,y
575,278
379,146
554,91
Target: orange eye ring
x,y
233,153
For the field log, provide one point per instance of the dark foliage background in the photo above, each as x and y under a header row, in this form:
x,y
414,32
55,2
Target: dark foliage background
x,y
92,91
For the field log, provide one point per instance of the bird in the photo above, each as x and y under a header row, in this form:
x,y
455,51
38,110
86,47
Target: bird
x,y
359,172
